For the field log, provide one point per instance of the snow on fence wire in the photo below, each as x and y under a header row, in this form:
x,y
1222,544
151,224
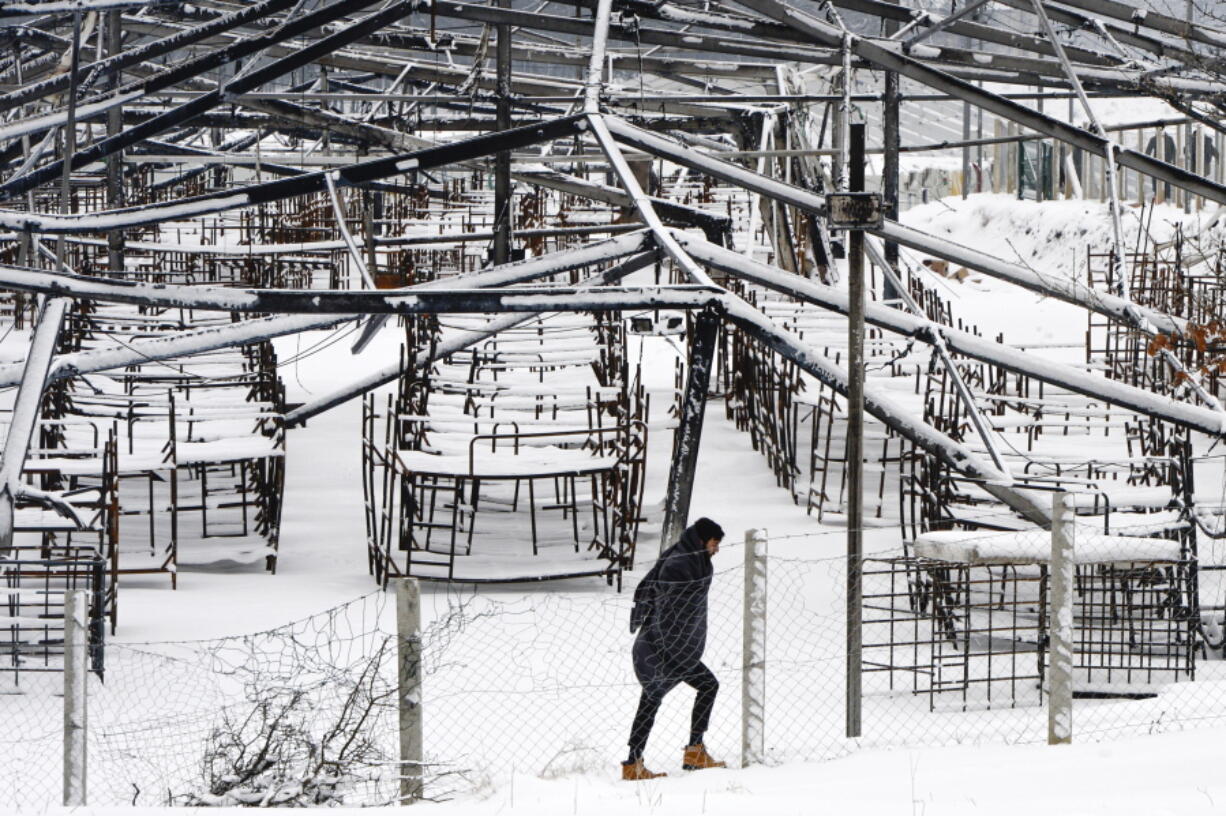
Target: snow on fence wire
x,y
956,637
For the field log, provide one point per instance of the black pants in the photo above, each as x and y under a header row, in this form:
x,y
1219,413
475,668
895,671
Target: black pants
x,y
655,688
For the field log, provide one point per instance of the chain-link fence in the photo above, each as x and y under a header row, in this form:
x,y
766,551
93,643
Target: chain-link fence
x,y
957,633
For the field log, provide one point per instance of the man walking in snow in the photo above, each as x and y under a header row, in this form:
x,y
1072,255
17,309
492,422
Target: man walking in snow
x,y
670,614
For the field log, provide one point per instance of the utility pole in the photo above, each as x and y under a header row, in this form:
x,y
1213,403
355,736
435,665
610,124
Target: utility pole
x,y
502,160
855,436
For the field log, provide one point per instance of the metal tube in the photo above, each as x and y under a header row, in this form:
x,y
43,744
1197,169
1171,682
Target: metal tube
x,y
882,57
1049,285
114,124
428,301
855,439
664,239
1060,617
502,159
452,344
892,138
920,327
76,688
689,427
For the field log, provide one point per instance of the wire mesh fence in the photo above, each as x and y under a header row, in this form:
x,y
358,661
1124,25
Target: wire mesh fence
x,y
957,635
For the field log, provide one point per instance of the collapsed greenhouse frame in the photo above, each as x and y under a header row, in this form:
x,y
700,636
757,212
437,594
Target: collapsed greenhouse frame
x,y
786,186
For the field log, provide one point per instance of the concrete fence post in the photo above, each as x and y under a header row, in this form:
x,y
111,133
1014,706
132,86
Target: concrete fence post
x,y
1060,623
408,679
753,667
76,675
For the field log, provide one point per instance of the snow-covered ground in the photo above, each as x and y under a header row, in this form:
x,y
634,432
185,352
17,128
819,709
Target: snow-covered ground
x,y
1162,775
323,563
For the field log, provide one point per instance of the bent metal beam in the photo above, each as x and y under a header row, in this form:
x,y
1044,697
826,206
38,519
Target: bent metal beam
x,y
891,58
1055,286
1113,392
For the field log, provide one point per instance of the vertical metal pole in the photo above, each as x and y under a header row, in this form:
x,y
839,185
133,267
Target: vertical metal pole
x,y
324,87
842,120
753,668
890,171
69,134
76,675
502,160
966,150
368,226
1189,161
408,678
114,162
855,438
689,429
1060,617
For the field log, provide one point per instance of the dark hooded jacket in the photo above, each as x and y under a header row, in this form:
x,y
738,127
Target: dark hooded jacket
x,y
670,610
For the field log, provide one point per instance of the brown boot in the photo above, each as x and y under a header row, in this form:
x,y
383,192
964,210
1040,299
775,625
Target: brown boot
x,y
637,772
696,759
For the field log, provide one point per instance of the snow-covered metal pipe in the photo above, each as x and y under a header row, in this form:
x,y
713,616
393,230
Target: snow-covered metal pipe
x,y
197,341
312,301
954,454
643,205
25,411
1056,286
443,301
1074,379
450,345
595,69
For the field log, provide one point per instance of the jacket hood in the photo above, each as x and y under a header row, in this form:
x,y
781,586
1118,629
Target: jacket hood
x,y
691,542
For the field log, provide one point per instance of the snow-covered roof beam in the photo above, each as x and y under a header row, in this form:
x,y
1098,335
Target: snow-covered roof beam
x,y
892,59
196,341
895,416
183,113
1056,286
313,301
304,184
14,11
547,298
147,51
450,344
1019,362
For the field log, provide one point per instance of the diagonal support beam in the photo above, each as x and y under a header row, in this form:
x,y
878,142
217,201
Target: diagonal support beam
x,y
456,343
1056,286
689,429
211,338
1112,392
303,184
25,411
954,454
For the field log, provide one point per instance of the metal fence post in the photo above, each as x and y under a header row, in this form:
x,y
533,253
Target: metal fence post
x,y
753,667
76,675
408,628
1060,617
